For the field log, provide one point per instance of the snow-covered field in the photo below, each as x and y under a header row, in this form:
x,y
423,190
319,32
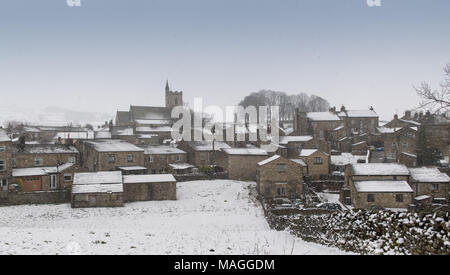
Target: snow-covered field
x,y
209,217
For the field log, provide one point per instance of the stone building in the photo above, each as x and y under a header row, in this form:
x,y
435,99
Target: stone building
x,y
295,144
99,189
359,121
240,163
398,141
41,155
149,187
201,153
381,194
278,177
367,185
158,157
360,148
148,124
49,178
318,162
431,182
316,124
5,160
110,155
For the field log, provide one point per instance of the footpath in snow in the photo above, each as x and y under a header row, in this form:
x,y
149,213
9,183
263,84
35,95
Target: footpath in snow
x,y
209,217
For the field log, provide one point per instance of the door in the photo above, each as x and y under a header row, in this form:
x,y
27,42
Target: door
x,y
53,182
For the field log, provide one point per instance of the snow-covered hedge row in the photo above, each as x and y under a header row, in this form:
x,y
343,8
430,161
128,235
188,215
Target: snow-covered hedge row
x,y
372,232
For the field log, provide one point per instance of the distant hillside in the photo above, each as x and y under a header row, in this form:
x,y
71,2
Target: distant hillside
x,y
52,115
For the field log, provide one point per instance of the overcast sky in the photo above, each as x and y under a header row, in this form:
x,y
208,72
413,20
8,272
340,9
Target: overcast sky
x,y
108,54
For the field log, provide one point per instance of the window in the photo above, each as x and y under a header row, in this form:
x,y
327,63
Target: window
x,y
394,145
14,163
162,158
435,187
178,157
130,158
3,183
150,158
67,177
153,171
2,148
52,181
72,159
318,160
111,158
399,198
405,145
370,198
280,167
2,165
202,156
38,162
281,190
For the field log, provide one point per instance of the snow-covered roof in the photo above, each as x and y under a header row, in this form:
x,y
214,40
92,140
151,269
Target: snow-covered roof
x,y
423,197
144,136
410,121
152,129
358,143
244,151
97,188
40,171
322,116
307,152
206,145
122,131
3,136
162,150
102,135
338,128
154,121
114,145
181,166
131,168
148,178
45,149
380,169
428,174
110,177
299,161
150,112
75,135
268,160
382,186
346,158
386,130
361,113
410,155
287,139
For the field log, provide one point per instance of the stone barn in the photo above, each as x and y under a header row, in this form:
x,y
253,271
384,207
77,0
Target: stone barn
x,y
149,187
100,189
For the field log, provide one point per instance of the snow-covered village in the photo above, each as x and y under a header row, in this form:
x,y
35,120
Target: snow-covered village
x,y
134,165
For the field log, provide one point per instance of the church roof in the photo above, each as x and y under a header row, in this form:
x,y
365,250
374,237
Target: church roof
x,y
149,112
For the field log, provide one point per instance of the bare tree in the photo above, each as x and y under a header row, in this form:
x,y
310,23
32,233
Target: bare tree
x,y
436,100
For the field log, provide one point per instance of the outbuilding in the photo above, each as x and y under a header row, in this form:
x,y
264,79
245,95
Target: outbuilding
x,y
100,189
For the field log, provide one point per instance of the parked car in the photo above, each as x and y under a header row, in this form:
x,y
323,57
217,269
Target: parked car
x,y
379,149
329,206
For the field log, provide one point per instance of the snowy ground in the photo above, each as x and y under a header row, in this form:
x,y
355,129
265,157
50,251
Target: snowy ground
x,y
209,217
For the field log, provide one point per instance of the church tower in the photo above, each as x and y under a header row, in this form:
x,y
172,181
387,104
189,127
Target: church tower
x,y
173,98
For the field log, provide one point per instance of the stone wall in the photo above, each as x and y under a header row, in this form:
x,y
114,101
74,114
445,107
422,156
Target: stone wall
x,y
370,232
150,191
44,197
28,160
97,200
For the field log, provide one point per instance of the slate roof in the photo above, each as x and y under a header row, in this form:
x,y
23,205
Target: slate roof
x,y
149,112
44,149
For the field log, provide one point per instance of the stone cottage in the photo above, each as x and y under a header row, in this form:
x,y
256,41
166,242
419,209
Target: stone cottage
x,y
201,153
431,182
5,160
278,177
158,158
240,163
318,162
110,155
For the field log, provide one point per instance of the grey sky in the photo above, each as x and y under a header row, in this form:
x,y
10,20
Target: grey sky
x,y
106,55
